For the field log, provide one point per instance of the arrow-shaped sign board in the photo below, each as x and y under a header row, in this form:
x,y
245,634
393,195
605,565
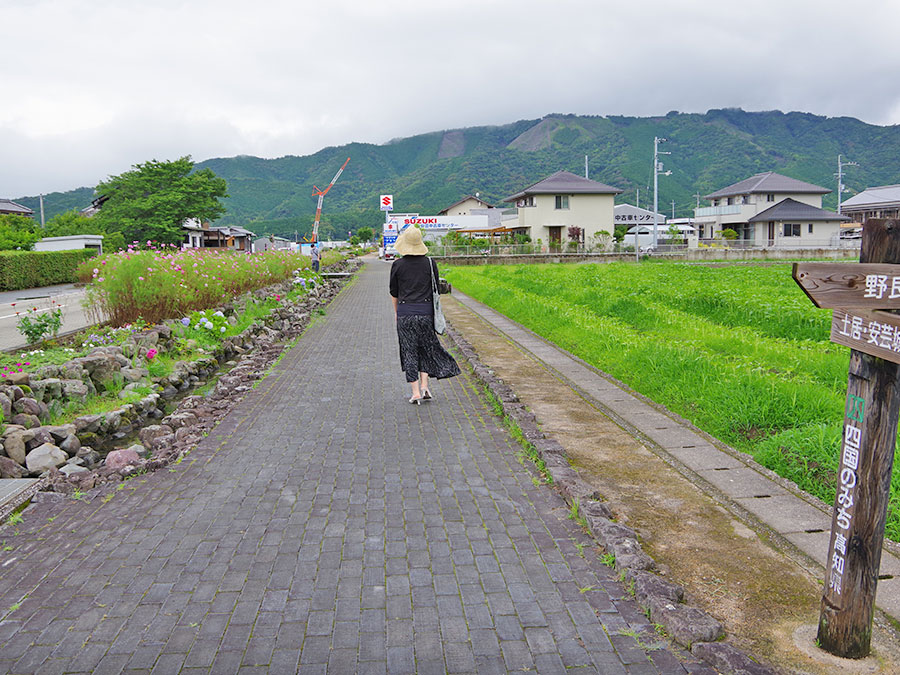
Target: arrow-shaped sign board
x,y
872,332
857,285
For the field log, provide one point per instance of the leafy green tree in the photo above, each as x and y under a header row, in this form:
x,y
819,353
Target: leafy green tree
x,y
71,223
153,199
365,234
18,233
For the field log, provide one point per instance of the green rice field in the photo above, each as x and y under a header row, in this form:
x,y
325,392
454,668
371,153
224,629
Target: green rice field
x,y
737,349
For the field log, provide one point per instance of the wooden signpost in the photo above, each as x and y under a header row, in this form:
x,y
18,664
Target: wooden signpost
x,y
870,428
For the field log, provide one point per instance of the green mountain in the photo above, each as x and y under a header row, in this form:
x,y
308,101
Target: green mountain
x,y
428,172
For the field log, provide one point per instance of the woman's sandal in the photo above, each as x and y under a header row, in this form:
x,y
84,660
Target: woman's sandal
x,y
426,395
416,400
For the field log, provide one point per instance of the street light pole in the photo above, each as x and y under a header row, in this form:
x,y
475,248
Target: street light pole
x,y
657,168
840,180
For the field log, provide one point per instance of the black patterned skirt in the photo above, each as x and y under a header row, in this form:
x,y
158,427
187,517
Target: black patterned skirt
x,y
420,350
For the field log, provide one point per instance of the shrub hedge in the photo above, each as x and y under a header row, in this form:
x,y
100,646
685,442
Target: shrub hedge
x,y
30,269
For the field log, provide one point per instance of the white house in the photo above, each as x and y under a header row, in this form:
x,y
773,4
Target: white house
x,y
77,241
547,209
464,206
769,209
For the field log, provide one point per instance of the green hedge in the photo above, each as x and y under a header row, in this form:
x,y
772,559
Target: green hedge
x,y
30,269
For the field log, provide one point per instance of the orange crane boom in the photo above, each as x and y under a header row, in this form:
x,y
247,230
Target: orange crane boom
x,y
321,193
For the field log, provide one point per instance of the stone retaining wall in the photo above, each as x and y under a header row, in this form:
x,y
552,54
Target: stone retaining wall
x,y
688,254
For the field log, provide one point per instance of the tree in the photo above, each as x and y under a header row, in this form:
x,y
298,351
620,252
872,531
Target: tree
x,y
365,233
152,200
71,223
18,233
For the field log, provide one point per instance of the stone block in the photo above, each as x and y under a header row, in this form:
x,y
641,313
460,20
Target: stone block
x,y
728,659
44,457
686,625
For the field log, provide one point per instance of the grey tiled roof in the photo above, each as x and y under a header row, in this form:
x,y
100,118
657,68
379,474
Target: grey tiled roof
x,y
882,195
9,206
564,182
769,182
792,210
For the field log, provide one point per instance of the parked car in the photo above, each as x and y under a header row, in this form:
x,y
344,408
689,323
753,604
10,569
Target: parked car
x,y
390,252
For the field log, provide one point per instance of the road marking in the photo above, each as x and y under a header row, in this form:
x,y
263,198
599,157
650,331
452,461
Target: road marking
x,y
43,309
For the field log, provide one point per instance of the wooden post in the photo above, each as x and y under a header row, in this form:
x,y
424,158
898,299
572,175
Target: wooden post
x,y
864,479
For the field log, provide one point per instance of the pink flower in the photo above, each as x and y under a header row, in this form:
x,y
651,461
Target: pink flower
x,y
140,278
151,353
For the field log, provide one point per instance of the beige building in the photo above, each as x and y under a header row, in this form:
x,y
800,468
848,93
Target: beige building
x,y
768,210
465,206
547,209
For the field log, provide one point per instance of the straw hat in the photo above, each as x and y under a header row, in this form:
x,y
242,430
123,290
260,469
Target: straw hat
x,y
410,242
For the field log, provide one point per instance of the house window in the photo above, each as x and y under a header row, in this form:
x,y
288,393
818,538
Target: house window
x,y
715,202
745,199
730,201
562,201
810,228
770,197
792,229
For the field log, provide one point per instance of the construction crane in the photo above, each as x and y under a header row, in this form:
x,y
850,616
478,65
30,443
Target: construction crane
x,y
321,193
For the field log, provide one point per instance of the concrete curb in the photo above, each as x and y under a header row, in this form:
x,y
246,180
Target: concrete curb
x,y
661,599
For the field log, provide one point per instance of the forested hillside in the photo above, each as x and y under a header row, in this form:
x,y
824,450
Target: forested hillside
x,y
429,172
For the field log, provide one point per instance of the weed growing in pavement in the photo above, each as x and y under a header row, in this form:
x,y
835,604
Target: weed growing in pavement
x,y
575,513
14,519
608,559
527,451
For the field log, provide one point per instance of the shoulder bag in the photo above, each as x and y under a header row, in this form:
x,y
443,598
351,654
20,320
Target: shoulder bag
x,y
440,324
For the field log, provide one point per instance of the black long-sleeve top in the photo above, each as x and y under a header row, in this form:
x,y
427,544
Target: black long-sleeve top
x,y
411,280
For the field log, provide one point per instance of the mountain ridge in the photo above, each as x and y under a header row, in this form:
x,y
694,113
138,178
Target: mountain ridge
x,y
427,172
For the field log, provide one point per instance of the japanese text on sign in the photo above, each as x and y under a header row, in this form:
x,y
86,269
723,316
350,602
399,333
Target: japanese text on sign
x,y
850,451
877,286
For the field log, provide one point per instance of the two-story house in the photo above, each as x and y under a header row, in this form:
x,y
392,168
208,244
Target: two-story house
x,y
547,209
769,209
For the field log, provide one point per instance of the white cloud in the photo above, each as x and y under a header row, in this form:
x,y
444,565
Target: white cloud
x,y
90,87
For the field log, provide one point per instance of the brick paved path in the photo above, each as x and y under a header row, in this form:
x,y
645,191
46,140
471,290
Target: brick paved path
x,y
326,524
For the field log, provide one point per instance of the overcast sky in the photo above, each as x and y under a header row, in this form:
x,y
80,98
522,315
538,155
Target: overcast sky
x,y
90,87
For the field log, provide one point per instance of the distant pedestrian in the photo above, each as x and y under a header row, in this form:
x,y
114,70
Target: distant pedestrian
x,y
314,257
421,354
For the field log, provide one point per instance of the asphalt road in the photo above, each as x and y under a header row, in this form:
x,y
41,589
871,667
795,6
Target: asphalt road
x,y
66,296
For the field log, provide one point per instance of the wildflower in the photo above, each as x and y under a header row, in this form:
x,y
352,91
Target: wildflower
x,y
140,278
222,329
151,353
96,271
209,325
186,321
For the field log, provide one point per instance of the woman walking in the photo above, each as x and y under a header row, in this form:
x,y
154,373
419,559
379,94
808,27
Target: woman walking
x,y
421,354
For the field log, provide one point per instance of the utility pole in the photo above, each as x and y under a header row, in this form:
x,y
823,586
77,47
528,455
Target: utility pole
x,y
697,196
657,169
840,180
42,210
637,200
673,209
585,167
